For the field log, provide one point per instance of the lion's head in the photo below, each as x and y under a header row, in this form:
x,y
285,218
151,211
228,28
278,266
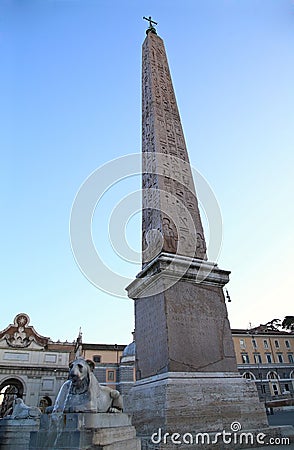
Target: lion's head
x,y
79,375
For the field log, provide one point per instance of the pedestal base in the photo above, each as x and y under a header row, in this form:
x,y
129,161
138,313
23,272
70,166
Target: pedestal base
x,y
184,410
181,318
85,431
15,433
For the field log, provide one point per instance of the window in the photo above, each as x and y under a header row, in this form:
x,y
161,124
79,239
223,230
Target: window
x,y
242,343
275,389
277,344
280,357
287,343
248,376
263,389
290,358
110,375
265,343
257,358
272,376
268,358
245,358
44,403
254,343
97,358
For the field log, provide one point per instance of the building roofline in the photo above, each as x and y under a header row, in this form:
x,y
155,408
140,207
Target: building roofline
x,y
255,331
115,347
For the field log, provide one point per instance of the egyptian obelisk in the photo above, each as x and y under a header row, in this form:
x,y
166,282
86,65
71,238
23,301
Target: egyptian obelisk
x,y
187,379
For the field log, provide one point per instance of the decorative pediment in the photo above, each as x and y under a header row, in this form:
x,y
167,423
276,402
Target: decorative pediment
x,y
21,335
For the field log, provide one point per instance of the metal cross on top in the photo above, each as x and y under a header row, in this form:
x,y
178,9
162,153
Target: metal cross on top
x,y
151,22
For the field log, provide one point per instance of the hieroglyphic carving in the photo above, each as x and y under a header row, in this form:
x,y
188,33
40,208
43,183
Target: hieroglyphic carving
x,y
176,217
170,235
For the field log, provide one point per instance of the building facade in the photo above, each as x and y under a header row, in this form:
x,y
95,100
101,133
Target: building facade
x,y
34,367
265,355
31,366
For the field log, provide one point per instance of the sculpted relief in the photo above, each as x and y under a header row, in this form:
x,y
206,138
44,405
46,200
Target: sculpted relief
x,y
19,338
21,335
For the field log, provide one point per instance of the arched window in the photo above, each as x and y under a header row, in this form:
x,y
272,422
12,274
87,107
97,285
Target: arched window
x,y
9,391
248,376
272,375
44,403
274,384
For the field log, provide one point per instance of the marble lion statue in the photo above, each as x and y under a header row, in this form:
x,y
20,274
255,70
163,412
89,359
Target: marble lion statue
x,y
22,411
83,393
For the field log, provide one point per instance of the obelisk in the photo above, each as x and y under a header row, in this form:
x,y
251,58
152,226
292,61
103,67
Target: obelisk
x,y
187,379
193,333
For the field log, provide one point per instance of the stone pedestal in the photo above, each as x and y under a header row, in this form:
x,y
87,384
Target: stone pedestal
x,y
181,318
186,410
85,431
15,433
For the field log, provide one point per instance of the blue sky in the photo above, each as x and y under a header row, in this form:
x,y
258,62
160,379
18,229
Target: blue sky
x,y
70,85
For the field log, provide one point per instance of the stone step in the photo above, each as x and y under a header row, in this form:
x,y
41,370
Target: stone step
x,y
107,436
130,444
